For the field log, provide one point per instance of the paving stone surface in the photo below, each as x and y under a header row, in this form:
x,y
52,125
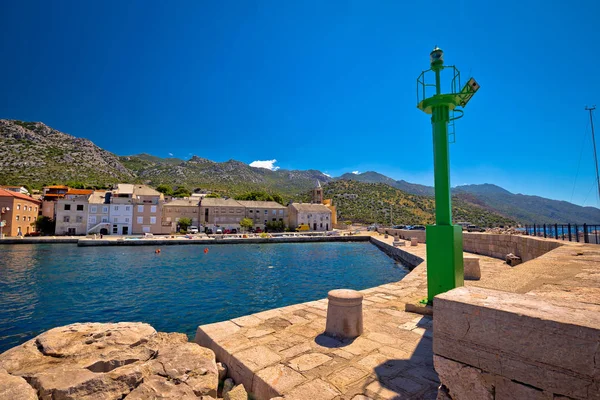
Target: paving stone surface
x,y
283,352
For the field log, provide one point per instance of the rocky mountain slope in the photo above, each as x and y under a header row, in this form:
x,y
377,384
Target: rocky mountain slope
x,y
381,203
35,154
230,177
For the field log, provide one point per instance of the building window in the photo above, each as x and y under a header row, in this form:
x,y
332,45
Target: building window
x,y
126,220
79,218
105,219
152,220
141,209
266,212
274,219
168,219
127,208
280,212
35,209
257,211
115,229
250,211
152,209
280,219
116,208
79,207
17,217
93,209
104,210
67,207
116,220
28,218
92,220
140,220
66,218
18,206
29,208
274,212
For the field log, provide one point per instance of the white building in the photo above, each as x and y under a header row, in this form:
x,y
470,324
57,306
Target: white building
x,y
316,216
98,213
121,210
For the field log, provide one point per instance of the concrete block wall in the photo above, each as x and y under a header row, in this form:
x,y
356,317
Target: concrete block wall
x,y
497,345
491,245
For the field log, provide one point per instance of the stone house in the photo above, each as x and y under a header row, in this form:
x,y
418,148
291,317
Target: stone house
x,y
72,212
317,216
176,209
19,213
224,213
262,212
147,210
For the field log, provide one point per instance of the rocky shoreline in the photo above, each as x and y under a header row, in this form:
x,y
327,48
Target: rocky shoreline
x,y
126,360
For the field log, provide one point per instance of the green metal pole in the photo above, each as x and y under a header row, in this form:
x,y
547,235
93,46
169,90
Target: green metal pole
x,y
441,165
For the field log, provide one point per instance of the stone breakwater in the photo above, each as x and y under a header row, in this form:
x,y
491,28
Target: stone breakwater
x,y
126,360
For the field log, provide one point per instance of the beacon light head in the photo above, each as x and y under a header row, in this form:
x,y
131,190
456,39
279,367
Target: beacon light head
x,y
436,56
470,88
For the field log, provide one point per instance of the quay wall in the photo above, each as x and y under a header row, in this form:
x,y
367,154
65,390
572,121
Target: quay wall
x,y
168,242
38,240
490,244
397,254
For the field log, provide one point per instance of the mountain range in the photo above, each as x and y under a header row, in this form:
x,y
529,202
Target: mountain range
x,y
33,154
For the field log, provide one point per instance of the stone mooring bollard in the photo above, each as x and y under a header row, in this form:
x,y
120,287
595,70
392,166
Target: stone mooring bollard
x,y
472,268
344,314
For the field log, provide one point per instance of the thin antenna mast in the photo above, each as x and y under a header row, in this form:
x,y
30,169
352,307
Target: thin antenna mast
x,y
591,109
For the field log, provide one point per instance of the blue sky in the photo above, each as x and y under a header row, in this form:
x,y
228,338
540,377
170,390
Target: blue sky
x,y
328,85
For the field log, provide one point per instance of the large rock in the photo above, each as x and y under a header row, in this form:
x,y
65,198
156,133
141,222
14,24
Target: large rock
x,y
111,361
15,388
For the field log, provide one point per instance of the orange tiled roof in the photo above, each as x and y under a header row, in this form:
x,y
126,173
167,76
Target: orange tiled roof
x,y
79,191
54,195
8,193
56,187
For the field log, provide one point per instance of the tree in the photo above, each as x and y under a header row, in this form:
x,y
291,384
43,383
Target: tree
x,y
246,223
275,226
45,225
184,223
165,189
182,191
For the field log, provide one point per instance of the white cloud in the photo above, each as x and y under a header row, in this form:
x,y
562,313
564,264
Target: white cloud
x,y
355,172
267,164
171,154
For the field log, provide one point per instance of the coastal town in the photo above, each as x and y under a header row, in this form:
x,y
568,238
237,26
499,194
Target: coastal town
x,y
134,209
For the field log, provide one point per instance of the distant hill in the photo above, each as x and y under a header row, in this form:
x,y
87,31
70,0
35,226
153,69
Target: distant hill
x,y
381,203
376,177
529,209
35,154
523,208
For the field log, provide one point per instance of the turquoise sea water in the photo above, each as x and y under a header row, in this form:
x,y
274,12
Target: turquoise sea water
x,y
47,285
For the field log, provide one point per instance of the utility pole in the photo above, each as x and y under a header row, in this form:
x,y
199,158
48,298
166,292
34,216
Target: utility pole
x,y
445,269
591,109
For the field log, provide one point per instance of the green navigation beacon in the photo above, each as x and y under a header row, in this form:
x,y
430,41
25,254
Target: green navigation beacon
x,y
445,269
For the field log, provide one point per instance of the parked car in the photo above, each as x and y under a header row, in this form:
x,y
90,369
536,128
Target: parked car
x,y
475,228
193,229
417,228
258,230
33,233
219,231
226,231
398,227
303,228
233,231
373,227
